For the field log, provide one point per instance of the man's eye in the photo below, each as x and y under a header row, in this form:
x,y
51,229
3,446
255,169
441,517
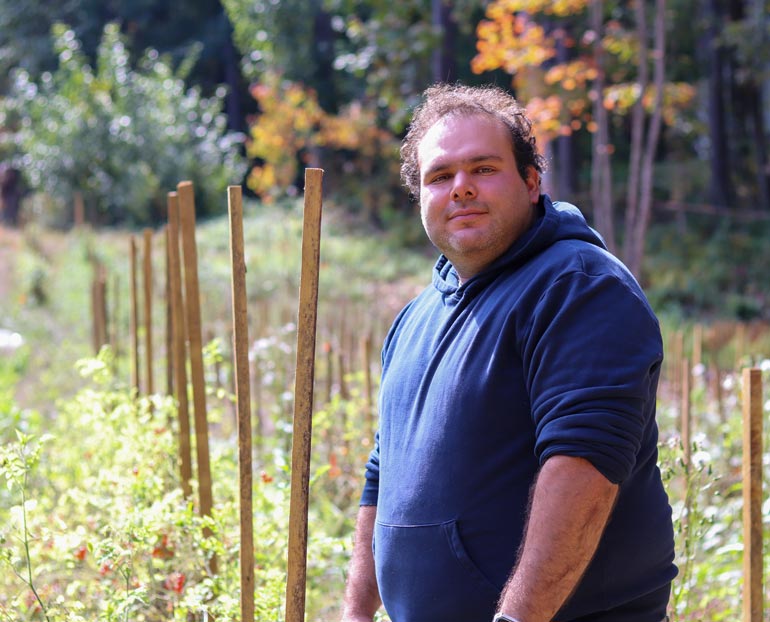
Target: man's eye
x,y
485,170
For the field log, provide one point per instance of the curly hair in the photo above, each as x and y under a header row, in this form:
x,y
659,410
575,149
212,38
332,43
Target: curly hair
x,y
456,99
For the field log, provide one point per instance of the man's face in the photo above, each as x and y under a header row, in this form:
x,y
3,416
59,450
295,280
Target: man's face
x,y
473,202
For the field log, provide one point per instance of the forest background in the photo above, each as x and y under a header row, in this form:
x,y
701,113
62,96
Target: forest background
x,y
649,112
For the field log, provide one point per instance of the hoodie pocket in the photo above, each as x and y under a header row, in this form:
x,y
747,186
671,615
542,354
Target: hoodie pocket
x,y
425,574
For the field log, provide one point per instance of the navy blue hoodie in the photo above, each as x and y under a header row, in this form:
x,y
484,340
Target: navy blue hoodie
x,y
552,350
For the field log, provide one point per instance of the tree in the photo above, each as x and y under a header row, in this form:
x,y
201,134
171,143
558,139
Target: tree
x,y
644,141
122,135
593,90
201,28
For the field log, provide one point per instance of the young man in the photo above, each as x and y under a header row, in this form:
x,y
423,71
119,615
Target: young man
x,y
514,473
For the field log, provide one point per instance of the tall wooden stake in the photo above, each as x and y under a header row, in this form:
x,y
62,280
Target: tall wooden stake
x,y
134,317
752,496
243,400
303,398
686,415
195,336
148,355
179,350
169,318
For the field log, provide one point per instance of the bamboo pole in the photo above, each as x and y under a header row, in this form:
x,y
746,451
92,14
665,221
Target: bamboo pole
x,y
753,604
303,398
186,199
243,400
179,351
134,317
148,355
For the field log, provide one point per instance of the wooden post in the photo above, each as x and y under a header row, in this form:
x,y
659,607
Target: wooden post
x,y
99,305
740,343
753,606
243,400
195,336
134,318
686,416
169,319
179,350
697,345
303,398
148,354
676,358
366,356
78,210
113,329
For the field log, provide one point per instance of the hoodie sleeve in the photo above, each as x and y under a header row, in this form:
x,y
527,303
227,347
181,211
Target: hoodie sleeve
x,y
372,475
592,359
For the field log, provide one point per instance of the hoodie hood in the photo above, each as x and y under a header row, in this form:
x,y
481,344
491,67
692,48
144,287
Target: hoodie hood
x,y
556,221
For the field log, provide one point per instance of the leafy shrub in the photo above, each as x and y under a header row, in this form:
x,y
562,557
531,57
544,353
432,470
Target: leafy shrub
x,y
120,135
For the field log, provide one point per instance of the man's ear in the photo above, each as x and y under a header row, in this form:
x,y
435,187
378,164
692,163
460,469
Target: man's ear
x,y
532,181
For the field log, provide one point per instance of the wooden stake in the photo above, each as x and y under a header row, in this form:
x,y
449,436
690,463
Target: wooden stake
x,y
740,343
148,355
187,219
179,350
99,305
134,318
303,398
366,356
686,416
753,605
697,345
169,319
78,210
243,400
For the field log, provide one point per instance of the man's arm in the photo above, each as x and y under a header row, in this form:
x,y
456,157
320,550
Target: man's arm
x,y
571,505
362,598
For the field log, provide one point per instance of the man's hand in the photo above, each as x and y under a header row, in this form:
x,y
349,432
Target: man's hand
x,y
362,598
571,505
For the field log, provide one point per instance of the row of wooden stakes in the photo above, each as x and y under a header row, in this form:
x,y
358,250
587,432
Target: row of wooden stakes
x,y
185,348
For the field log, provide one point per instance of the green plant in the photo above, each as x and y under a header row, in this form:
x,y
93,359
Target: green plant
x,y
122,135
17,460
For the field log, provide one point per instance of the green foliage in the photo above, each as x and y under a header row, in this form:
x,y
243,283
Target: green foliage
x,y
122,136
709,270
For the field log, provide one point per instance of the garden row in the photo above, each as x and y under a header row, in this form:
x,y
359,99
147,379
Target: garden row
x,y
143,545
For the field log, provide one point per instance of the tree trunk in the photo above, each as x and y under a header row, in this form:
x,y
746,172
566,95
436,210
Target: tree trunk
x,y
565,160
601,170
324,46
721,186
637,137
639,233
443,60
746,110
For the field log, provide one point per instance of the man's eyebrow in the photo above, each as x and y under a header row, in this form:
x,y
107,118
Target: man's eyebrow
x,y
443,164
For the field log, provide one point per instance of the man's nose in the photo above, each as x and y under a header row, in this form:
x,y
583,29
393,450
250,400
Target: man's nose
x,y
463,187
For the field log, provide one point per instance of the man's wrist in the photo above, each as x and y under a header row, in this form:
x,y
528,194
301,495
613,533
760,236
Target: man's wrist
x,y
501,617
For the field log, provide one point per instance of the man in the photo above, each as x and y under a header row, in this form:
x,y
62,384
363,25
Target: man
x,y
514,473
